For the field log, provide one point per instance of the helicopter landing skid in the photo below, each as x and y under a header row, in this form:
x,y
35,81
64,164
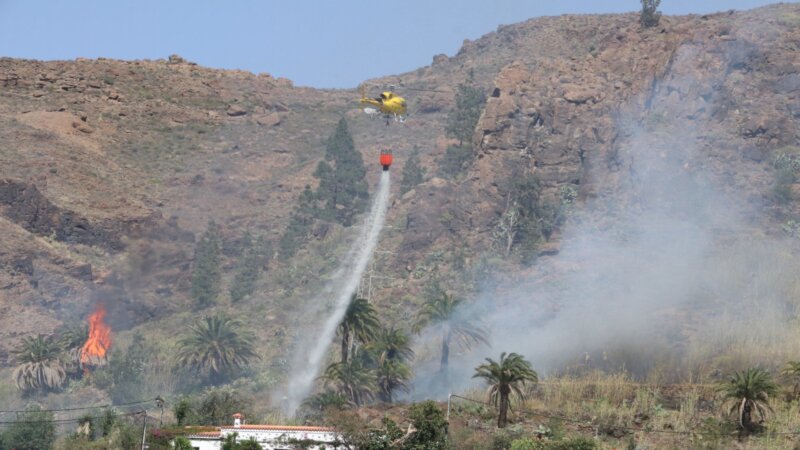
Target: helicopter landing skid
x,y
397,118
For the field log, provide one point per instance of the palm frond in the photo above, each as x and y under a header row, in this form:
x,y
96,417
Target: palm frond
x,y
752,387
510,373
216,344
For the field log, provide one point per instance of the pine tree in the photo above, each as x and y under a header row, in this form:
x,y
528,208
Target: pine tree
x,y
341,195
461,121
207,272
341,143
248,268
299,224
650,16
342,186
413,173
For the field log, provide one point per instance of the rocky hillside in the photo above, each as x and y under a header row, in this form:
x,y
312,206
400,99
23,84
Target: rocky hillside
x,y
110,169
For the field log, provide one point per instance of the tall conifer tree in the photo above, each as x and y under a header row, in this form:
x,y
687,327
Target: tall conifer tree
x,y
207,271
342,185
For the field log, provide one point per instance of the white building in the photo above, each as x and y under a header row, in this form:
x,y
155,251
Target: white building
x,y
271,437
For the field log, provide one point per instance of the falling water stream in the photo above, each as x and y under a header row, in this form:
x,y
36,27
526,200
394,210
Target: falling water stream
x,y
304,371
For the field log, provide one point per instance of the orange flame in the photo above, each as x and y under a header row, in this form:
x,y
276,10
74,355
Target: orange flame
x,y
94,350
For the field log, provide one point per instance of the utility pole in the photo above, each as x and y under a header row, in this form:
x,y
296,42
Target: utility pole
x,y
449,398
160,404
144,429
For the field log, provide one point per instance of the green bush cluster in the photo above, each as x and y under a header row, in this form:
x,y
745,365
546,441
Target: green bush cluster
x,y
215,407
426,418
528,219
33,429
124,376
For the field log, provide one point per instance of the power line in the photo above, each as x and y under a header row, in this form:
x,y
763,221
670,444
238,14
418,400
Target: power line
x,y
110,405
623,428
80,419
627,383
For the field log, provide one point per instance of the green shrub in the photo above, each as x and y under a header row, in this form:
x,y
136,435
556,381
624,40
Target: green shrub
x,y
181,443
431,427
579,443
33,429
505,437
527,444
218,405
528,219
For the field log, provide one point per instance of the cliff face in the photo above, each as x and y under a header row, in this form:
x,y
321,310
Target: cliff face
x,y
108,168
734,77
728,80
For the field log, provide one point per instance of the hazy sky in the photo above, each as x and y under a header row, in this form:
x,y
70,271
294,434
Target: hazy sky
x,y
323,43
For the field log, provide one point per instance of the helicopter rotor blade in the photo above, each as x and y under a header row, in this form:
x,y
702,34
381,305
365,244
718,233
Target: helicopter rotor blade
x,y
401,88
426,90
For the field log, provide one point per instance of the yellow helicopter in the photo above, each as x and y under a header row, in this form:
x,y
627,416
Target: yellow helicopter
x,y
388,103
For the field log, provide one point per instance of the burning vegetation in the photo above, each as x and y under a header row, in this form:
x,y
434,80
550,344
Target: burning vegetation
x,y
93,352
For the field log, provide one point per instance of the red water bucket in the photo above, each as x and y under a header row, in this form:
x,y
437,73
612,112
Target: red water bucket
x,y
386,159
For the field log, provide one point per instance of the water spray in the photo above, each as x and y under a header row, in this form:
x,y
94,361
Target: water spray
x,y
305,370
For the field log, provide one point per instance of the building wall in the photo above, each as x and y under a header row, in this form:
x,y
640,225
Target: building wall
x,y
267,439
205,444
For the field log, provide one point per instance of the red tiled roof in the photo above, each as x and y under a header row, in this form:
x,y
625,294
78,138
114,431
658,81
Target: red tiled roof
x,y
278,428
206,434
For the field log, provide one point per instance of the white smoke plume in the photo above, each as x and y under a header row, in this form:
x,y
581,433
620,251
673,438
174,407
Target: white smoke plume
x,y
665,254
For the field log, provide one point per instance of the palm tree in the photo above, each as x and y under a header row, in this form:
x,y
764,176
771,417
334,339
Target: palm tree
x,y
749,391
390,344
792,373
216,345
182,443
388,352
71,341
39,365
441,311
360,321
315,406
352,379
506,377
391,375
